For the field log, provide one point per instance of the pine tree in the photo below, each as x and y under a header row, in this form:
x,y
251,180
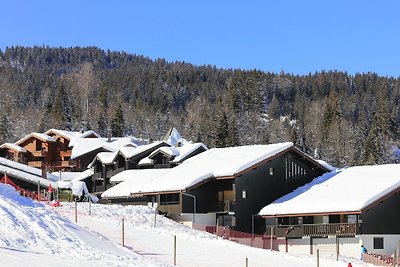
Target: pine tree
x,y
118,123
5,129
222,132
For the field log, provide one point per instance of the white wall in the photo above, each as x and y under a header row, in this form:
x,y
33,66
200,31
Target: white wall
x,y
390,243
200,218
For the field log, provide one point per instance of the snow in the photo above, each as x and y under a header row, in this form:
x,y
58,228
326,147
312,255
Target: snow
x,y
76,176
69,134
168,151
216,162
82,146
129,177
326,165
129,152
33,234
26,172
13,147
172,137
152,236
41,235
40,136
347,190
186,149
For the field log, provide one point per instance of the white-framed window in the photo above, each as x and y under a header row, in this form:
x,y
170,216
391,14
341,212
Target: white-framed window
x,y
244,194
271,171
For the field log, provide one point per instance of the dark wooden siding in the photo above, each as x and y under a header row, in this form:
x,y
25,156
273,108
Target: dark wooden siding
x,y
262,188
383,218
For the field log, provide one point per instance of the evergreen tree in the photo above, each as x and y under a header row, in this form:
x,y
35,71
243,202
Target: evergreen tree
x,y
222,138
118,123
5,129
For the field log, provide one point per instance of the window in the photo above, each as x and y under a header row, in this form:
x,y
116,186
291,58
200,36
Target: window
x,y
378,242
271,171
168,199
244,194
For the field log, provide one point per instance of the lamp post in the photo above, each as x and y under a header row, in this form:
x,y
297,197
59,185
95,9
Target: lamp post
x,y
194,206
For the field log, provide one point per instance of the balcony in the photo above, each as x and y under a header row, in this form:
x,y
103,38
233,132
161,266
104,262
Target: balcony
x,y
39,154
66,153
64,164
316,230
35,164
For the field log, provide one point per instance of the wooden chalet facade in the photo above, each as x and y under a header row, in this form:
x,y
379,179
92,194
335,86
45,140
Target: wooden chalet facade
x,y
230,198
49,151
374,222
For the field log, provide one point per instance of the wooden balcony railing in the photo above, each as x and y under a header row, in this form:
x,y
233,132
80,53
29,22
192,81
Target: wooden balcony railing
x,y
39,154
316,230
66,153
35,164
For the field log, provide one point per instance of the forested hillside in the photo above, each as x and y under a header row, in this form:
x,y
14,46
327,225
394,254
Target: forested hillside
x,y
343,119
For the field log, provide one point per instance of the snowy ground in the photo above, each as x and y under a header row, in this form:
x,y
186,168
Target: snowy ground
x,y
41,235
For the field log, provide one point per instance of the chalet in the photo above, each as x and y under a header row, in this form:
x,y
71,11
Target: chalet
x,y
342,209
107,164
224,186
50,150
169,157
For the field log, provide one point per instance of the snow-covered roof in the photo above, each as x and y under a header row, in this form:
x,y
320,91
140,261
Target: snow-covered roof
x,y
82,146
13,147
25,173
25,168
216,162
166,150
40,136
177,153
187,149
129,177
172,137
70,134
74,176
129,152
146,161
350,190
78,188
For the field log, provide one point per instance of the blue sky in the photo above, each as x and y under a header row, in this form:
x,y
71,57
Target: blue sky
x,y
294,36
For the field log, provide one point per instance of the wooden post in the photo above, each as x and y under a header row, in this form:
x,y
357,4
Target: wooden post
x,y
76,212
311,245
317,257
174,250
337,248
90,207
247,262
272,237
123,232
38,191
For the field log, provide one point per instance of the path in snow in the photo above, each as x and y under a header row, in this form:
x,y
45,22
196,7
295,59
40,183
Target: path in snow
x,y
194,248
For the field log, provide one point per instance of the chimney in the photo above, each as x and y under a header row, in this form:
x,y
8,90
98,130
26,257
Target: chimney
x,y
44,171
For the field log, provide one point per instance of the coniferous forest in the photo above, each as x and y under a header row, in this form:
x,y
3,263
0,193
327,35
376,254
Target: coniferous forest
x,y
343,119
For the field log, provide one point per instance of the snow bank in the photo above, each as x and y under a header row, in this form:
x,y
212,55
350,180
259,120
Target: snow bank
x,y
30,228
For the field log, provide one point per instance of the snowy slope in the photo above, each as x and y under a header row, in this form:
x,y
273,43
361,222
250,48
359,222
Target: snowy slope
x,y
194,248
30,230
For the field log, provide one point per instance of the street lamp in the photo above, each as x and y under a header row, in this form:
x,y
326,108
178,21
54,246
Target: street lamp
x,y
194,206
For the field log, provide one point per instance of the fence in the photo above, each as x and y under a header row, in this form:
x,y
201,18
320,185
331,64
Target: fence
x,y
378,259
253,240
